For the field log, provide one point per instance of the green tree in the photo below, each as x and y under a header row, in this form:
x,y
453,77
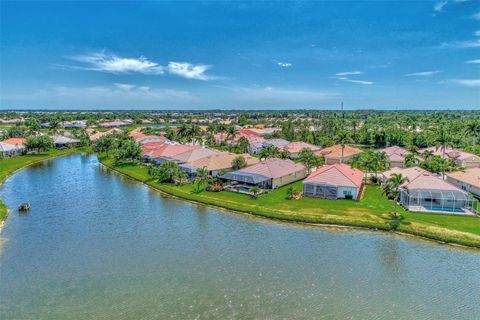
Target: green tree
x,y
342,138
269,151
239,163
473,128
202,178
391,189
243,144
126,149
410,160
167,171
39,143
291,193
104,144
33,124
255,191
309,159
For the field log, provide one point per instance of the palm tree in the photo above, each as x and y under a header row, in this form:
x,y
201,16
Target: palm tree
x,y
410,160
342,138
291,193
269,151
54,126
201,178
379,162
194,133
473,128
309,159
392,189
427,155
231,133
243,144
443,140
255,191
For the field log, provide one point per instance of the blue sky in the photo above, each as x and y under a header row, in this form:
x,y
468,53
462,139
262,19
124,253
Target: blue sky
x,y
240,55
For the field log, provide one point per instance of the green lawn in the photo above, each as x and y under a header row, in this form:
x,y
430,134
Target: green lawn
x,y
372,211
10,165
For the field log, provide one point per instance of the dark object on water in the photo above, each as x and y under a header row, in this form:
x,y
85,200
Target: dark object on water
x,y
24,207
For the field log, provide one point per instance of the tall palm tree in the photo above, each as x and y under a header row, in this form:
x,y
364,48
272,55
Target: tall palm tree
x,y
473,128
342,138
392,189
201,178
427,155
243,144
194,133
410,160
379,162
443,140
231,133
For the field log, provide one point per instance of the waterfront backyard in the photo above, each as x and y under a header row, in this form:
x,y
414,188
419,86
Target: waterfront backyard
x,y
373,211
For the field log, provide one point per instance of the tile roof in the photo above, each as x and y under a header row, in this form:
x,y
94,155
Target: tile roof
x,y
194,154
297,146
337,175
98,135
16,141
168,151
396,153
422,179
451,153
274,168
220,161
470,176
336,151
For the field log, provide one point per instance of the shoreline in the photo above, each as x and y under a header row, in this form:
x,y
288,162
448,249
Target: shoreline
x,y
413,235
61,153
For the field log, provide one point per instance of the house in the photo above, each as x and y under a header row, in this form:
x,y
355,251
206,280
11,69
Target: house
x,y
116,123
268,174
165,152
333,154
257,147
336,181
19,142
10,150
216,163
193,155
62,141
98,135
396,155
462,159
80,124
294,148
427,192
468,180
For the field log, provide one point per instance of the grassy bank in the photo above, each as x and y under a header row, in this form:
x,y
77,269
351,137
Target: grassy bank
x,y
371,212
10,165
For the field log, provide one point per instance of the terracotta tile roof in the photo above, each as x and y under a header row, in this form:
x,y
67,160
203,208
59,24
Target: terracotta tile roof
x,y
336,151
450,153
168,151
470,176
274,168
297,146
98,135
422,179
16,141
410,173
194,154
220,161
337,175
396,153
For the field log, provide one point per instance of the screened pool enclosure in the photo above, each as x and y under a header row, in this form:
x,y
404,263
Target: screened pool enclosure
x,y
438,200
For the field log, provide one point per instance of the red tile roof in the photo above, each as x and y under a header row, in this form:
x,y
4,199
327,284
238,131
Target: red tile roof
x,y
337,175
274,168
16,141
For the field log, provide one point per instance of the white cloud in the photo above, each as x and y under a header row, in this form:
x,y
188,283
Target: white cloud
x,y
359,81
349,73
189,71
423,73
477,33
439,5
110,63
124,86
461,44
284,64
476,16
475,61
472,83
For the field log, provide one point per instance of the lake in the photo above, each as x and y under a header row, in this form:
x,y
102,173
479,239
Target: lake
x,y
97,245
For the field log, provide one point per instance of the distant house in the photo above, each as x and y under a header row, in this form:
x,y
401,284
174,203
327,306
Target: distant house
x,y
462,159
98,135
268,174
62,141
333,154
165,152
336,181
257,147
10,150
80,124
427,192
468,180
116,123
294,148
396,155
19,142
193,155
216,163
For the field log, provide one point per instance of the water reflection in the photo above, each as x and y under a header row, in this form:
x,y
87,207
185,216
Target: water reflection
x,y
97,245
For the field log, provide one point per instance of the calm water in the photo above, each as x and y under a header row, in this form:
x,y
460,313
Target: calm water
x,y
96,245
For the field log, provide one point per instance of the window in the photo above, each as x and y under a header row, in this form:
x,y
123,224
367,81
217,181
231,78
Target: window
x,y
347,192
